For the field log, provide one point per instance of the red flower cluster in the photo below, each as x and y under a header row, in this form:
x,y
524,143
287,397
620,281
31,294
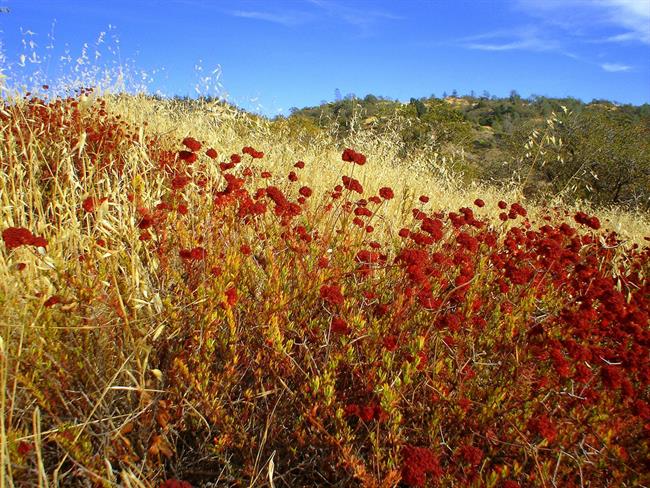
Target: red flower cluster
x,y
231,296
18,236
386,193
187,156
252,152
53,300
192,144
542,425
89,204
283,207
367,413
470,454
195,254
352,184
340,326
173,483
332,294
180,181
584,219
352,156
417,463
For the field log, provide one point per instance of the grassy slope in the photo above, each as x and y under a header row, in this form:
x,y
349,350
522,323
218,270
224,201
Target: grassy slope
x,y
123,367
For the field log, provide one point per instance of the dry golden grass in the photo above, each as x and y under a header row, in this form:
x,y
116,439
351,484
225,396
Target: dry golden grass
x,y
121,386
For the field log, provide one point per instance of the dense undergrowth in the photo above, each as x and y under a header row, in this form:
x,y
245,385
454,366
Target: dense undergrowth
x,y
171,311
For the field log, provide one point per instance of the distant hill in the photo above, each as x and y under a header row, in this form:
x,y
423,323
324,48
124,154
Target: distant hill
x,y
598,151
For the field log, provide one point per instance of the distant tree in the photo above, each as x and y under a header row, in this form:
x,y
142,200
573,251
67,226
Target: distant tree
x,y
514,96
485,95
370,99
337,95
472,94
444,94
420,108
454,93
594,160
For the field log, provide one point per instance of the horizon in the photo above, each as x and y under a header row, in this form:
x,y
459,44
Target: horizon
x,y
245,52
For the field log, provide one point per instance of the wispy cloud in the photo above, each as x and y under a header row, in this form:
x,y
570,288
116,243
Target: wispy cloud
x,y
631,15
288,19
525,38
615,67
580,17
317,10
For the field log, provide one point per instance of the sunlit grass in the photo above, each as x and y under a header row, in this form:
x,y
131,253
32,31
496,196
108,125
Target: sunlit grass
x,y
200,322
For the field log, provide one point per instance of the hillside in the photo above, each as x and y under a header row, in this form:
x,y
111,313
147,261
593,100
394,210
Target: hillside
x,y
584,149
191,295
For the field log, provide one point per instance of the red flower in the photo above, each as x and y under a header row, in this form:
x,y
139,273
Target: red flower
x,y
424,198
305,191
198,253
90,203
53,300
299,165
386,193
211,153
418,462
192,144
471,455
542,425
352,184
172,483
245,249
235,158
584,219
25,448
195,254
18,236
479,203
332,294
179,182
187,156
231,296
353,157
265,174
340,326
252,152
293,176
390,343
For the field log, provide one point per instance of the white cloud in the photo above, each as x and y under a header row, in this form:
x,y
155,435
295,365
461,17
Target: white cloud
x,y
580,16
632,15
526,38
361,18
615,67
288,19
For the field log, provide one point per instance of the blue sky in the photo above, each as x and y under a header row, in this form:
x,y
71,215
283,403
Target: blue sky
x,y
272,55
